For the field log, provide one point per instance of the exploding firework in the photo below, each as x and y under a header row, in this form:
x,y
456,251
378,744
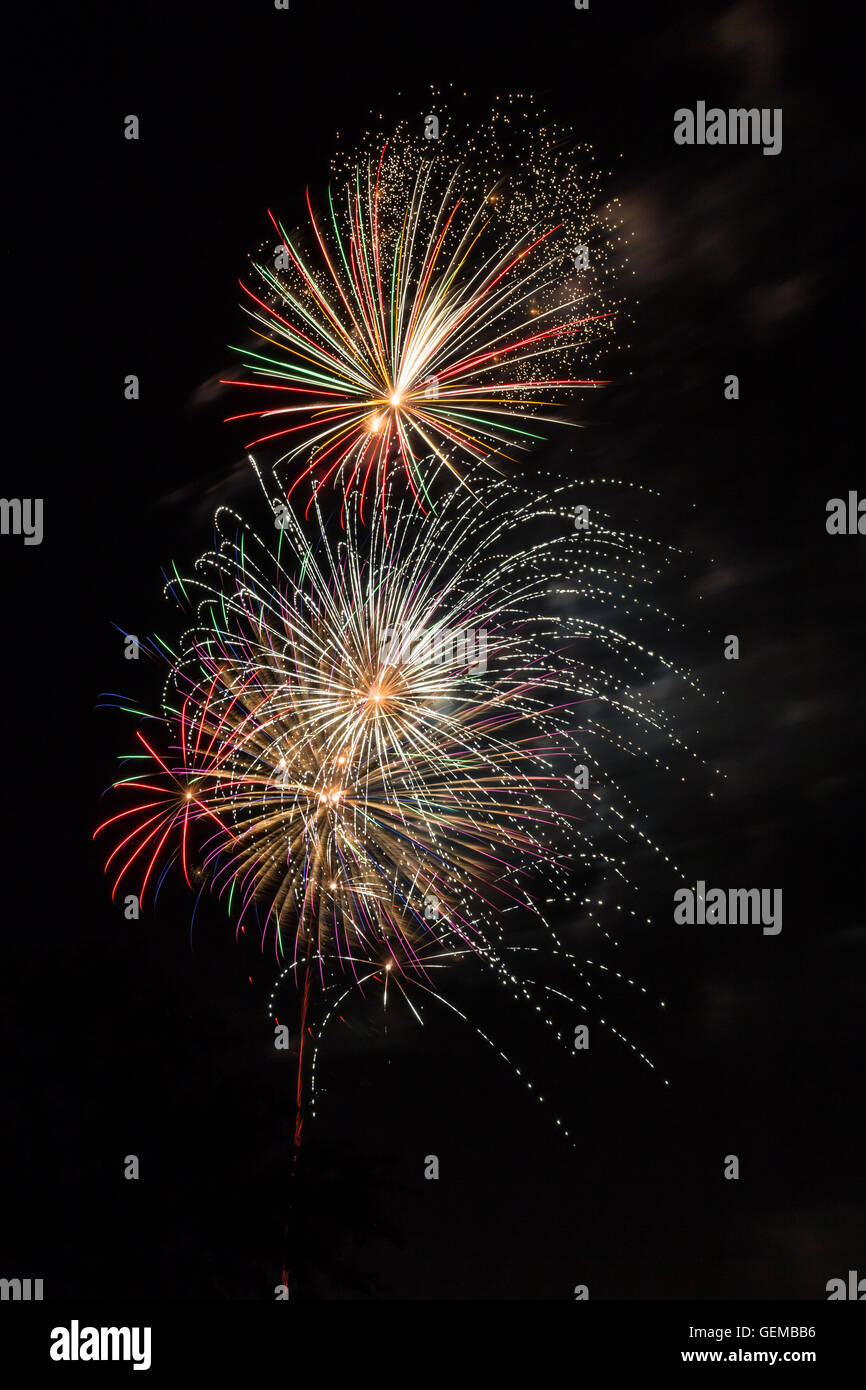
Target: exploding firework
x,y
383,743
439,308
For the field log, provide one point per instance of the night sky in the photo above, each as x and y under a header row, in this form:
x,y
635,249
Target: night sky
x,y
127,1037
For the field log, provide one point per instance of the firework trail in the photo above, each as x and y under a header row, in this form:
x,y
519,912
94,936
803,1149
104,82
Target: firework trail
x,y
438,308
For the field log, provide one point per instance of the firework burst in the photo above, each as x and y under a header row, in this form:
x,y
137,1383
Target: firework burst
x,y
438,309
375,739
